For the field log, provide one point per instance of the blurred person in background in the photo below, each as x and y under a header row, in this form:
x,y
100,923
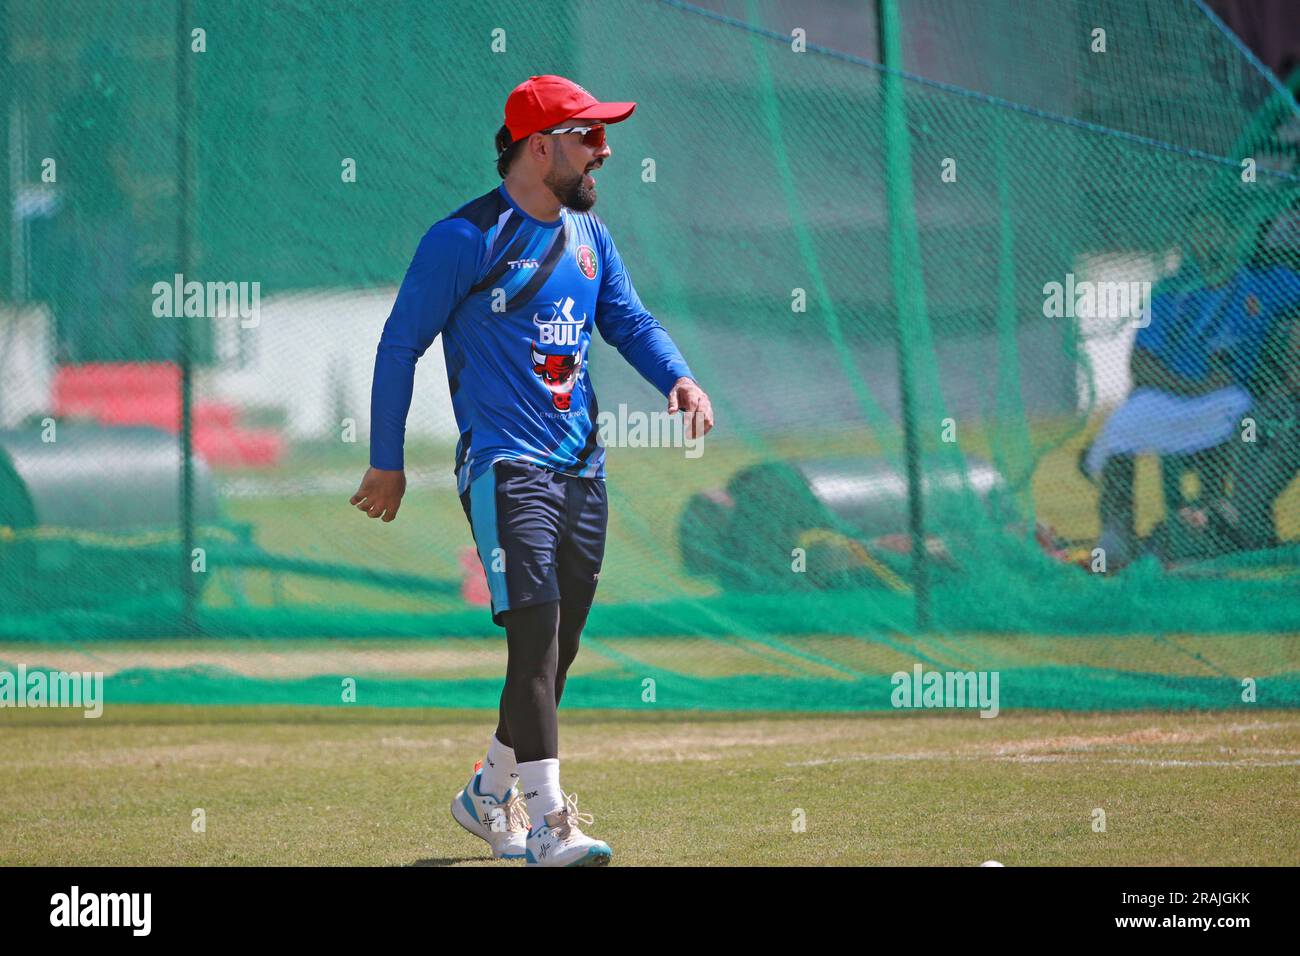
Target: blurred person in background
x,y
1191,366
1266,466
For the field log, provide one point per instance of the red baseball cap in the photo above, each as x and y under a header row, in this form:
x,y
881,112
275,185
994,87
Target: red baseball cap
x,y
542,101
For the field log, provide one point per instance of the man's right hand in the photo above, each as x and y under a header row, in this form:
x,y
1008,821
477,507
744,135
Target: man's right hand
x,y
380,494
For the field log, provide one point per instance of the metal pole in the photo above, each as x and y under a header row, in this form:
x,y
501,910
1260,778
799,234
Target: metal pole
x,y
184,109
12,140
905,258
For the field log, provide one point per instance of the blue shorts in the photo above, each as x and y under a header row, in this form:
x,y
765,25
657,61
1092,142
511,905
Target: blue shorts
x,y
540,535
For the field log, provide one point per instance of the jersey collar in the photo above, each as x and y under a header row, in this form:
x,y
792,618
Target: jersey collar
x,y
515,206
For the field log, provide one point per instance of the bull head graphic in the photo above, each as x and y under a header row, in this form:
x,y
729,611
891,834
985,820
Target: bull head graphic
x,y
558,373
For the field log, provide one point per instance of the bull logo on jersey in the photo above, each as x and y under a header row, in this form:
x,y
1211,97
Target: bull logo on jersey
x,y
559,372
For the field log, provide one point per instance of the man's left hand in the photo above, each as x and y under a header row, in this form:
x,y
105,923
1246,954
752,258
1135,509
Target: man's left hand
x,y
694,404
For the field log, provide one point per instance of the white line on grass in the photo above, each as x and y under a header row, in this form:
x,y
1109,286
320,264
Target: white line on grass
x,y
1045,758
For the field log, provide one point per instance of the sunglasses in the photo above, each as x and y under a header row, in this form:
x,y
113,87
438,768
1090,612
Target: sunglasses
x,y
592,136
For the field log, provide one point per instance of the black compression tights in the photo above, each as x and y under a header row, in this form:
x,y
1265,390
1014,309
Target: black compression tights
x,y
541,643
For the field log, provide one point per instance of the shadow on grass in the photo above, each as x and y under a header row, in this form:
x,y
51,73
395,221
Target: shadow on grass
x,y
446,861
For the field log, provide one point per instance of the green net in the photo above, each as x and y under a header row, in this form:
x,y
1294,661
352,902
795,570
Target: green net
x,y
907,247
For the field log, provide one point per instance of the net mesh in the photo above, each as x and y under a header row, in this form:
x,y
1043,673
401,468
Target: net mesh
x,y
912,290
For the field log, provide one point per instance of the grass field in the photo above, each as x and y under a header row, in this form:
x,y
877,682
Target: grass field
x,y
352,785
371,787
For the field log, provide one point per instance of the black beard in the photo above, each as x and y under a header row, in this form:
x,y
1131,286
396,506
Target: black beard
x,y
571,191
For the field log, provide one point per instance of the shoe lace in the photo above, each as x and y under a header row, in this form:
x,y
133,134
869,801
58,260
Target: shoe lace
x,y
517,813
572,818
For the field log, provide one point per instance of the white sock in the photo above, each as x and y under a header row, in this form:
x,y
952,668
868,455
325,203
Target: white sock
x,y
499,769
540,780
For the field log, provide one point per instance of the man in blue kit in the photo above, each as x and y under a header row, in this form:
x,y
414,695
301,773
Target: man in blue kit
x,y
514,281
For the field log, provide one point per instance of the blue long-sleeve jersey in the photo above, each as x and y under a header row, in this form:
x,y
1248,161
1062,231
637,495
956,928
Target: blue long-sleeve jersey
x,y
515,300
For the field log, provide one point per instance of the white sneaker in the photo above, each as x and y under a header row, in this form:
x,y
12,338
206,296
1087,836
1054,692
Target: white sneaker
x,y
502,823
559,842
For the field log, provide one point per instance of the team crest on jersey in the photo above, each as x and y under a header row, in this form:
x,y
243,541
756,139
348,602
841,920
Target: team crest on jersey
x,y
587,261
559,371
